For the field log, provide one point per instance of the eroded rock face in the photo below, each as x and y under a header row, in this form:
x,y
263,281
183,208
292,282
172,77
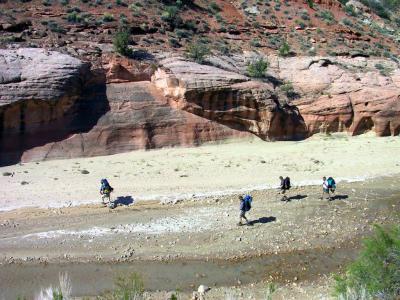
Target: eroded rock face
x,y
53,106
343,94
139,117
38,93
228,98
118,69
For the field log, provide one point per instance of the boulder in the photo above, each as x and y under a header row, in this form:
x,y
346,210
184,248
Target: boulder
x,y
203,289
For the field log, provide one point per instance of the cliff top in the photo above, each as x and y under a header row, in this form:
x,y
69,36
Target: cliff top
x,y
86,28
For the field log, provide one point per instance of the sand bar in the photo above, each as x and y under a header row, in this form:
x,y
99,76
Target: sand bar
x,y
175,173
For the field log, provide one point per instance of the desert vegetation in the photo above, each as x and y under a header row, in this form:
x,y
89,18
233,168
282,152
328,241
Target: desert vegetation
x,y
257,67
177,23
376,273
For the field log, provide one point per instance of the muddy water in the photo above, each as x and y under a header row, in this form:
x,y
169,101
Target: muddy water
x,y
90,279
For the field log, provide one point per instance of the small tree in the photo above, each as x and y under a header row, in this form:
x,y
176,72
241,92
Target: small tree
x,y
284,49
170,14
197,51
121,43
257,68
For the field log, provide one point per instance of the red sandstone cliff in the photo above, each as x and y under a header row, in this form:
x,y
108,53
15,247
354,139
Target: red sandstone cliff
x,y
54,106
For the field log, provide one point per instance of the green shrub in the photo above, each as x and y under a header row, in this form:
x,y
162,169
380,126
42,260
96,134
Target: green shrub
x,y
384,71
121,43
305,16
174,42
270,290
377,269
255,43
55,27
126,288
288,89
327,16
219,18
350,10
300,23
169,14
310,3
257,68
223,48
284,49
74,17
347,22
120,3
57,295
213,7
197,51
378,6
107,17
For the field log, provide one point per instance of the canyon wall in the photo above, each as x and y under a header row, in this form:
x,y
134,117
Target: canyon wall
x,y
55,106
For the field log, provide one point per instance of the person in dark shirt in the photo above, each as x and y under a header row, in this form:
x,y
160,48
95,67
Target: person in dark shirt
x,y
243,208
284,187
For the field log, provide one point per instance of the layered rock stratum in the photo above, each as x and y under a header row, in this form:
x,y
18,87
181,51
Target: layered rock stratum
x,y
53,105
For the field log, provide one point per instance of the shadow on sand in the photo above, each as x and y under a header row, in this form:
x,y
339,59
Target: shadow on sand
x,y
339,197
123,200
297,197
262,220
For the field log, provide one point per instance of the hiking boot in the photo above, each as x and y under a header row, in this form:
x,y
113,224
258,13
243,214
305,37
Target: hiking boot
x,y
239,224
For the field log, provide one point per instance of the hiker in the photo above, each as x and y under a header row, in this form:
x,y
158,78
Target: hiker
x,y
245,206
105,191
328,187
284,186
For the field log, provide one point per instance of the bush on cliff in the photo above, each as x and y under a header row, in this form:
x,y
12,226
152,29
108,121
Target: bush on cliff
x,y
284,49
121,43
257,68
197,52
377,270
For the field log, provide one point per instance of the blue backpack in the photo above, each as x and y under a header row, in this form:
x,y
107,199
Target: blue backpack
x,y
247,202
105,185
331,183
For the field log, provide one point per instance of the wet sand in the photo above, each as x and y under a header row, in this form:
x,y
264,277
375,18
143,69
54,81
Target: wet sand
x,y
299,242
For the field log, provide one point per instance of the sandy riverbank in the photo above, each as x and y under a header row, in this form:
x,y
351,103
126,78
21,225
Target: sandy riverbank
x,y
294,244
194,172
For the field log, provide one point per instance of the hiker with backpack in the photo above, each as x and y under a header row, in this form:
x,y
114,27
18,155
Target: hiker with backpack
x,y
284,186
105,191
328,187
245,206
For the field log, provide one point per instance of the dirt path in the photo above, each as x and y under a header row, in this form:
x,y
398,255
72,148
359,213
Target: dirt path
x,y
198,232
